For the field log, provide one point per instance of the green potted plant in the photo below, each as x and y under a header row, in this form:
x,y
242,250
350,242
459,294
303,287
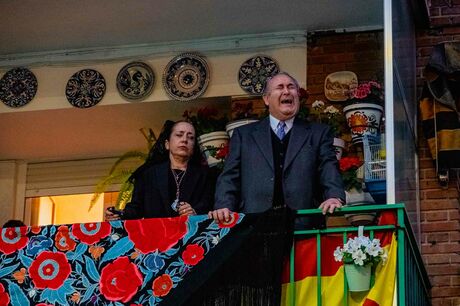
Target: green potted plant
x,y
120,174
360,256
333,117
210,128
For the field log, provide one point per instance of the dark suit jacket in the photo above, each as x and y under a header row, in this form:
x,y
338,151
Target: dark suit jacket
x,y
310,172
151,192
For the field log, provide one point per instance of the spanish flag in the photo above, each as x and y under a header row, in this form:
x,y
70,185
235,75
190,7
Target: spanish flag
x,y
332,276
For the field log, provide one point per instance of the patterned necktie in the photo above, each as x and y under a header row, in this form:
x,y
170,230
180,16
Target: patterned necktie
x,y
280,130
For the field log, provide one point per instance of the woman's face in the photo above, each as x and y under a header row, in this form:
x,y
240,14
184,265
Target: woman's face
x,y
182,140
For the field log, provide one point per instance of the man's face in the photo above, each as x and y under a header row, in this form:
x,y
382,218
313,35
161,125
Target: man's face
x,y
282,97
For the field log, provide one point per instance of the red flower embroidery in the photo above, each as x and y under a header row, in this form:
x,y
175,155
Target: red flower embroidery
x,y
13,239
4,297
49,270
35,229
161,234
120,280
62,239
90,233
231,223
193,254
162,285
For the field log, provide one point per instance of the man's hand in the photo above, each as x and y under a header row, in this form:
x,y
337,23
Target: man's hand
x,y
185,209
220,215
330,204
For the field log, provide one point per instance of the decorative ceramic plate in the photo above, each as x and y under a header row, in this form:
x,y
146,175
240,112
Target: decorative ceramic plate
x,y
18,87
186,77
135,81
85,88
254,73
338,85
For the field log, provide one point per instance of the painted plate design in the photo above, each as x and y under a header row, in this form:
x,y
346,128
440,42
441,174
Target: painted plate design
x,y
85,88
186,77
339,85
135,81
18,87
254,73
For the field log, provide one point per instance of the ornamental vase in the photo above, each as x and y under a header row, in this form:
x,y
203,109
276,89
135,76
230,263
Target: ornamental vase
x,y
358,277
212,140
237,123
363,119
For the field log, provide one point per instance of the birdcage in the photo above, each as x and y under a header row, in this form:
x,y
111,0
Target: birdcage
x,y
375,169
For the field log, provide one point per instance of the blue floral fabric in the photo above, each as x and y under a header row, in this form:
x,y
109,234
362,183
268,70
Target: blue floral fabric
x,y
133,262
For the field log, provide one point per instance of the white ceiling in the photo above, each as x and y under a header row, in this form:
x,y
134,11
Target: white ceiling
x,y
30,26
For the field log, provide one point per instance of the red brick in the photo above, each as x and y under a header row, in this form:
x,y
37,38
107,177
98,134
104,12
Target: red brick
x,y
429,184
438,281
435,215
315,69
426,163
439,204
454,215
440,194
455,280
441,301
433,259
445,291
437,237
454,236
428,173
439,248
454,10
452,30
440,226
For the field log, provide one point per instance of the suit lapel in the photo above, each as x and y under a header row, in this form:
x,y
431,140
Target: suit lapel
x,y
263,140
299,134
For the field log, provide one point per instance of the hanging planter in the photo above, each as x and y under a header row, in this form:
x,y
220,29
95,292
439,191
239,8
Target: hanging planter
x,y
210,142
364,120
358,277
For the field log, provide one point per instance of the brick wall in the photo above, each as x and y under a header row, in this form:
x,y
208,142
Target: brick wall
x,y
439,207
363,54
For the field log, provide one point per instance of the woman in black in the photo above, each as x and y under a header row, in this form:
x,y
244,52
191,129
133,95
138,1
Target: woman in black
x,y
173,182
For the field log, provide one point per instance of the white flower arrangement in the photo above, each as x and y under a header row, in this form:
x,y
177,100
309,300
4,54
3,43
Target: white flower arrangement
x,y
329,114
361,251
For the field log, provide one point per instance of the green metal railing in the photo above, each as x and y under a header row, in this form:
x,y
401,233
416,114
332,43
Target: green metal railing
x,y
412,281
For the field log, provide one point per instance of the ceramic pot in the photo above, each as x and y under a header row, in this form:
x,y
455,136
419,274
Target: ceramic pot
x,y
363,119
339,145
237,123
358,277
212,140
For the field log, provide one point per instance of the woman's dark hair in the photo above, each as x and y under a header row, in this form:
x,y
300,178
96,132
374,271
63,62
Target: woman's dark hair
x,y
13,223
158,153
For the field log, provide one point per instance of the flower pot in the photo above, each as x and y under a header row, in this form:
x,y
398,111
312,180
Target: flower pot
x,y
363,119
339,145
355,198
237,123
358,277
212,140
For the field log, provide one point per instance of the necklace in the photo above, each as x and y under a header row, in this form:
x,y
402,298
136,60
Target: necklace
x,y
178,177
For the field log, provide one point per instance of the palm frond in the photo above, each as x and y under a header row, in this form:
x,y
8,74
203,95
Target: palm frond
x,y
125,195
121,175
128,155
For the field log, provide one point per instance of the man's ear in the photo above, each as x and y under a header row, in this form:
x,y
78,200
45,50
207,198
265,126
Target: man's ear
x,y
265,98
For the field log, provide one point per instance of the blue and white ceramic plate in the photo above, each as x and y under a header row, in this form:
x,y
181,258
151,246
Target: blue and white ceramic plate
x,y
186,77
135,81
254,73
18,87
85,88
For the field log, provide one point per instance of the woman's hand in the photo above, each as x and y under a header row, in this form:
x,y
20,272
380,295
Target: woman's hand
x,y
111,215
185,209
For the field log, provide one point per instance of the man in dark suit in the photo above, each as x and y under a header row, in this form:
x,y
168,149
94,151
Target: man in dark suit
x,y
279,161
